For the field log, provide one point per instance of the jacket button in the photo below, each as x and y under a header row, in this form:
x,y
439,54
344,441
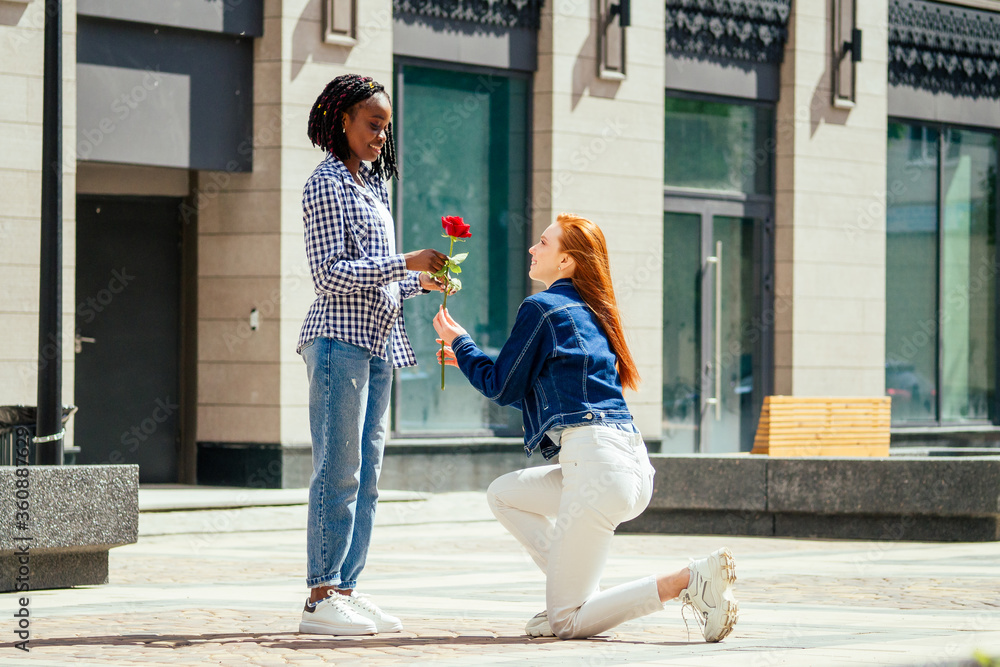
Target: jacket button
x,y
588,416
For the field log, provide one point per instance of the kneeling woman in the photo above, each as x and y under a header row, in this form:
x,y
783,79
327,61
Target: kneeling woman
x,y
564,366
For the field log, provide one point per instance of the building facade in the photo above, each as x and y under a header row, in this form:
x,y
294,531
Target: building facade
x,y
800,197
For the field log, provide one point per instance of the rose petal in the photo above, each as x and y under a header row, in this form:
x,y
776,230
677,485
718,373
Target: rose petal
x,y
454,226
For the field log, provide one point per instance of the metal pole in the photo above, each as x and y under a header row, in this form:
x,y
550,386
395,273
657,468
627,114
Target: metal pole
x,y
49,430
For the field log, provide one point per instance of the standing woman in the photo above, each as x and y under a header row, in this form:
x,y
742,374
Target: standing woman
x,y
352,338
564,366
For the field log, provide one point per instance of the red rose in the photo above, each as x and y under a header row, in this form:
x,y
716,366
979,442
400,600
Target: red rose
x,y
455,226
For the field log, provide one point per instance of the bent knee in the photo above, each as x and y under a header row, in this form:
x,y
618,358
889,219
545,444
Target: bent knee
x,y
496,490
562,625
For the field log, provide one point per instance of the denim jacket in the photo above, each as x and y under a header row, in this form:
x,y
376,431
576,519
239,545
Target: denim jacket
x,y
557,367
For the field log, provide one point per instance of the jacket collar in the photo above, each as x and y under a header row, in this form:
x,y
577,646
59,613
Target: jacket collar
x,y
562,283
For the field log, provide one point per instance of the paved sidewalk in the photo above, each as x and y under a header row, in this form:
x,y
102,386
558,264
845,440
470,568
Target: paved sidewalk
x,y
225,587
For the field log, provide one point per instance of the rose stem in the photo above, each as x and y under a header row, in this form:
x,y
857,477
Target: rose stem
x,y
447,283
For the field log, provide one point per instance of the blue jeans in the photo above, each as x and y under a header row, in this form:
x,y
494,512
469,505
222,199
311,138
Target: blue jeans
x,y
348,414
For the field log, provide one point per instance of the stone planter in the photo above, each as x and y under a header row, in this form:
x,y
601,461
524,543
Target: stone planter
x,y
75,515
894,498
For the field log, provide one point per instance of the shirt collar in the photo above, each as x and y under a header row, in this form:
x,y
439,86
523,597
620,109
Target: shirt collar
x,y
341,169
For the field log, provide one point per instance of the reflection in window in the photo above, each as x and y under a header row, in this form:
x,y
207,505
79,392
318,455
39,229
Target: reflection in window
x,y
719,146
940,273
463,144
681,331
968,256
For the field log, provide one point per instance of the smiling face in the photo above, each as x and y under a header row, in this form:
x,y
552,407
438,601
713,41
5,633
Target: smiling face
x,y
365,127
548,262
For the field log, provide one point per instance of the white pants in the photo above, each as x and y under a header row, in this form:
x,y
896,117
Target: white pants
x,y
565,516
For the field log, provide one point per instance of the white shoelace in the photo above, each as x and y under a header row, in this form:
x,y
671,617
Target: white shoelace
x,y
338,602
686,602
366,604
697,615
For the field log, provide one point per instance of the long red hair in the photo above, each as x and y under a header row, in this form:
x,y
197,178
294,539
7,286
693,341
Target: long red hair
x,y
584,242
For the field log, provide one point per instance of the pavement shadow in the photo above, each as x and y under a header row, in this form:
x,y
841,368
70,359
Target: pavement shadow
x,y
297,641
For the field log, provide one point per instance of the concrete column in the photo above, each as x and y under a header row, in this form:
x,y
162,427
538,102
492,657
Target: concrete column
x,y
21,99
252,384
598,152
830,212
239,249
308,65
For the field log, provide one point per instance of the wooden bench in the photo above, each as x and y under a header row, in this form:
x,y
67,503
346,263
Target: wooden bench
x,y
810,426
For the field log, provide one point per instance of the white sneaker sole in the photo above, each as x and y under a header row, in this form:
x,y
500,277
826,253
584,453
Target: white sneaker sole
x,y
539,631
395,627
729,610
317,628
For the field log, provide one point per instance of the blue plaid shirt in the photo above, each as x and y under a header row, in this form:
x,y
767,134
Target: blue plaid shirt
x,y
348,251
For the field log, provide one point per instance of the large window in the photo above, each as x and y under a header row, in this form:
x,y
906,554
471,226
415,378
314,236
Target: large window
x,y
941,274
714,145
463,142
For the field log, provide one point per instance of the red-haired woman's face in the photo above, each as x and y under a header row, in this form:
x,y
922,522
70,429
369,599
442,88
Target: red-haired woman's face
x,y
548,262
366,130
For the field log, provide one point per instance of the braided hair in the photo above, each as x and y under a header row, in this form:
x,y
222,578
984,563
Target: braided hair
x,y
326,120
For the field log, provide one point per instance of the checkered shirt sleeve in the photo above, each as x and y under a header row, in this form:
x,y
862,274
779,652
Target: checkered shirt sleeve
x,y
351,266
329,218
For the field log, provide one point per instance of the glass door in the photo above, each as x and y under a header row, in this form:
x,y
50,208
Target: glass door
x,y
715,330
729,421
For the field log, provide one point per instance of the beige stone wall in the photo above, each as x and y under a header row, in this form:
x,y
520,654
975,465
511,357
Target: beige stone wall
x,y
252,384
238,270
21,98
598,152
312,64
830,213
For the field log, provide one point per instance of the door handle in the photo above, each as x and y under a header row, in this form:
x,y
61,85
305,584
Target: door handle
x,y
80,340
716,400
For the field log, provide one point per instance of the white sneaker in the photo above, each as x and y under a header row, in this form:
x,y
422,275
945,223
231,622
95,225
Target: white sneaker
x,y
710,594
364,607
539,626
334,616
